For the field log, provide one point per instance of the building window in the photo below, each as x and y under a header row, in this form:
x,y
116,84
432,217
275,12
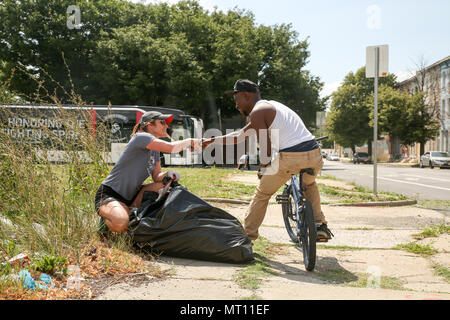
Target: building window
x,y
444,79
443,109
448,108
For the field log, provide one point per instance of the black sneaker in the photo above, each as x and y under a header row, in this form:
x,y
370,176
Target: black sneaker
x,y
323,233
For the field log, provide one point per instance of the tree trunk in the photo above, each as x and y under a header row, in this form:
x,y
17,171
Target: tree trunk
x,y
422,148
369,147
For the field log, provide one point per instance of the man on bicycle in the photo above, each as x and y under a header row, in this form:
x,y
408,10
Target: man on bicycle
x,y
297,148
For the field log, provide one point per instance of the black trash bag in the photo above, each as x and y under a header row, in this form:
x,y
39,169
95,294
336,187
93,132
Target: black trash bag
x,y
182,225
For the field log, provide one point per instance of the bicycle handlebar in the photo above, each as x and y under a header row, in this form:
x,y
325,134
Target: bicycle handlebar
x,y
321,138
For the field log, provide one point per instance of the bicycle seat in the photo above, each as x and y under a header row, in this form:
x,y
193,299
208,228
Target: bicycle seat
x,y
309,171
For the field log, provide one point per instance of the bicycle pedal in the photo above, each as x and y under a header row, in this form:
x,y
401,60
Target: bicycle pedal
x,y
322,240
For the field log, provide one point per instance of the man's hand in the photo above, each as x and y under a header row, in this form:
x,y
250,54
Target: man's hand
x,y
207,142
261,169
196,144
259,173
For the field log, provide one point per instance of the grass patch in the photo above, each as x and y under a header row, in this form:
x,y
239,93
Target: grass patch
x,y
342,248
442,271
434,204
252,297
433,231
357,194
367,281
337,276
251,276
326,176
361,229
416,248
214,183
360,280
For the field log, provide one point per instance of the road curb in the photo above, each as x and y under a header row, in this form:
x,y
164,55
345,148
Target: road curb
x,y
377,204
356,204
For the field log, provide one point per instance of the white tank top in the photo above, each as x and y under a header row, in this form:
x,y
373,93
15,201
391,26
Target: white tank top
x,y
287,128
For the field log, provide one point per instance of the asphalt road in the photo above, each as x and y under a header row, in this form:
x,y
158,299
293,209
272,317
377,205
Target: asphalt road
x,y
426,183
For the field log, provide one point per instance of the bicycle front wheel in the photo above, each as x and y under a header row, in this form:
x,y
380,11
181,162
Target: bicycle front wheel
x,y
307,235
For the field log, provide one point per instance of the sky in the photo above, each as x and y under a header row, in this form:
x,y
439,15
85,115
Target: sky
x,y
338,32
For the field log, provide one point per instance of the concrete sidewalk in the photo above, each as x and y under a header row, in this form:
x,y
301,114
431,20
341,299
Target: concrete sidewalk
x,y
362,247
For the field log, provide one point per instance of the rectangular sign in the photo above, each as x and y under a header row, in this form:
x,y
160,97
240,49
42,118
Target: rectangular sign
x,y
383,64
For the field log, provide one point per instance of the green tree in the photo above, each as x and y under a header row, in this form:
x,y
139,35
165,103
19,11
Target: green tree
x,y
407,117
349,120
157,54
36,41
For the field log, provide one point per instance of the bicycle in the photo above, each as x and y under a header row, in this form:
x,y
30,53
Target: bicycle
x,y
299,218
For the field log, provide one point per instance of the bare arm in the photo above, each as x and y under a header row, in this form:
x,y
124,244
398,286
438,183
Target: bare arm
x,y
157,175
260,121
234,137
172,147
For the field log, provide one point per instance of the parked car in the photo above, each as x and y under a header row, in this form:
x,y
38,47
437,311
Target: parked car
x,y
324,154
435,159
333,157
359,157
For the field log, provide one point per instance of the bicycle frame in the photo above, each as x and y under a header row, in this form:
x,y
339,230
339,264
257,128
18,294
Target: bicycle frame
x,y
296,192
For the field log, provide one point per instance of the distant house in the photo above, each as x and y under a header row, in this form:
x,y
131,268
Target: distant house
x,y
434,81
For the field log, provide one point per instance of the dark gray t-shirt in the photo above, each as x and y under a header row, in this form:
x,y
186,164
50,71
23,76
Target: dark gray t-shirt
x,y
135,165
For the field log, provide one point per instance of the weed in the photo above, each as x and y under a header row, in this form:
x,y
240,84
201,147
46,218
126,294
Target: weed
x,y
326,176
386,282
416,248
49,264
341,248
433,231
250,277
252,297
434,204
359,280
442,271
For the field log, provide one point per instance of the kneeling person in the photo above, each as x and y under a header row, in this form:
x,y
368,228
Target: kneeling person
x,y
123,189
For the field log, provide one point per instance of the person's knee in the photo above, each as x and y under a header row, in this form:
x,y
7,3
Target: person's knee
x,y
116,217
120,224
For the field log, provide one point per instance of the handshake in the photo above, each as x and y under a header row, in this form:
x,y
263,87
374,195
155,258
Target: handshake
x,y
199,144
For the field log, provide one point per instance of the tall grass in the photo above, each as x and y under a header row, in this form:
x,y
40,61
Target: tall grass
x,y
47,185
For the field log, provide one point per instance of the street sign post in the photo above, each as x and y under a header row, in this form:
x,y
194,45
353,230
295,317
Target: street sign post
x,y
377,65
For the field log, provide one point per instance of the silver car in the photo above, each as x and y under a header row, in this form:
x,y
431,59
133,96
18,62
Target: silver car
x,y
435,159
332,157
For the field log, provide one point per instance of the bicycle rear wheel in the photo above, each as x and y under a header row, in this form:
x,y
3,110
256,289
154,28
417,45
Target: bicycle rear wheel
x,y
307,235
290,221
